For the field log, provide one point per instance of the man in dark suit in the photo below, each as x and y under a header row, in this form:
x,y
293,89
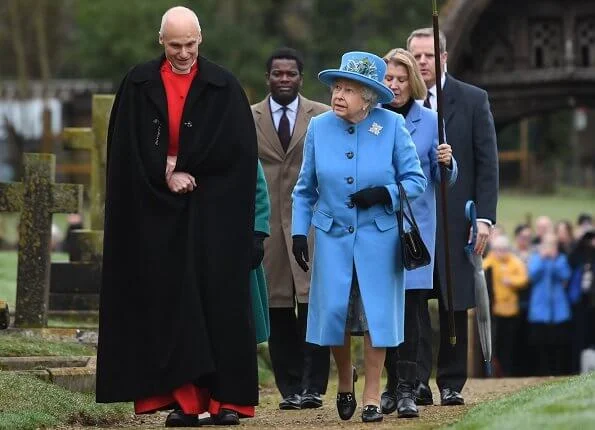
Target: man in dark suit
x,y
470,131
301,369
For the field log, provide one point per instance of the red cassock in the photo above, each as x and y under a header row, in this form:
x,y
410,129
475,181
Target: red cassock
x,y
190,398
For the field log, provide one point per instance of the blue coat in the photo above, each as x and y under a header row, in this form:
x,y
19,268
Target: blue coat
x,y
422,124
548,303
339,159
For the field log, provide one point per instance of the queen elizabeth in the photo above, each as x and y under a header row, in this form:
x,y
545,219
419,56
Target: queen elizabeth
x,y
354,157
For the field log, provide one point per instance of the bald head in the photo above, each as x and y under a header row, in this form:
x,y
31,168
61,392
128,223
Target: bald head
x,y
178,15
180,35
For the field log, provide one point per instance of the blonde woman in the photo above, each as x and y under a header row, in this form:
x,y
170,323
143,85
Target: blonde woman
x,y
405,81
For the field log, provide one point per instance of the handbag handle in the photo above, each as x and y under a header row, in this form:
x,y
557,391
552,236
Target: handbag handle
x,y
403,198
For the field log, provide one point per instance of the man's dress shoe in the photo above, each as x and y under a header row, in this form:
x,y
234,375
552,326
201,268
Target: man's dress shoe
x,y
291,403
178,418
449,397
311,400
423,395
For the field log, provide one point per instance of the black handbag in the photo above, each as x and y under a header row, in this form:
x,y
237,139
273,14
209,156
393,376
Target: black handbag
x,y
413,249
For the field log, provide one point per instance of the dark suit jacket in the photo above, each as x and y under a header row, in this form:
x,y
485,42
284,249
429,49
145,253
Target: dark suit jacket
x,y
471,133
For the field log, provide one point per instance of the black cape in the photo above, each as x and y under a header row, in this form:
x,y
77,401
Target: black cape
x,y
175,302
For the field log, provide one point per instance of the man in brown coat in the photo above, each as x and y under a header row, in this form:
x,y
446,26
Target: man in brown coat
x,y
282,118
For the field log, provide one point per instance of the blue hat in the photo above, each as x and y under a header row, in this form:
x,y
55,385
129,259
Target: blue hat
x,y
363,67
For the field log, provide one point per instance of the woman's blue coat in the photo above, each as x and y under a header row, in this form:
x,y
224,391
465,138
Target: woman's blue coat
x,y
422,124
341,158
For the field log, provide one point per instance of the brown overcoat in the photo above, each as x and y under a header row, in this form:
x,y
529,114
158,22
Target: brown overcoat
x,y
281,170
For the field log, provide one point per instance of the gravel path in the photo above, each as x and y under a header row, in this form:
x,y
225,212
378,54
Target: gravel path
x,y
268,416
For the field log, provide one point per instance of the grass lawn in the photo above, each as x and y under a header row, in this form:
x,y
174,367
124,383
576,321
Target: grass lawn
x,y
17,345
28,403
515,207
568,404
8,274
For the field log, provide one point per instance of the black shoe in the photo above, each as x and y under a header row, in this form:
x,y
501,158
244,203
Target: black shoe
x,y
423,395
406,407
371,414
226,417
178,418
388,401
450,397
291,403
311,400
346,402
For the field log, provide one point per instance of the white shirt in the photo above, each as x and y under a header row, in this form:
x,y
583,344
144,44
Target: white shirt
x,y
277,112
432,94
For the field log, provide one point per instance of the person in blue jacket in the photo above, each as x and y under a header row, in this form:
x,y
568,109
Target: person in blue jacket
x,y
549,307
354,157
404,79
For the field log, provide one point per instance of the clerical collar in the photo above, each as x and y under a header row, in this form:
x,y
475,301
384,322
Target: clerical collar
x,y
403,110
293,106
173,69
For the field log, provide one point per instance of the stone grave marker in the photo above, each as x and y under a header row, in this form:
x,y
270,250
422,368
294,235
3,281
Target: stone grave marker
x,y
75,285
37,198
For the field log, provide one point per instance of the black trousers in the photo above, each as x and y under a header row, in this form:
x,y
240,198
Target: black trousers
x,y
452,360
401,361
506,329
297,365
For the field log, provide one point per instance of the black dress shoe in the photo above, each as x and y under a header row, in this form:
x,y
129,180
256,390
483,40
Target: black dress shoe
x,y
226,417
371,414
406,407
178,418
451,397
311,400
388,401
291,403
423,394
346,403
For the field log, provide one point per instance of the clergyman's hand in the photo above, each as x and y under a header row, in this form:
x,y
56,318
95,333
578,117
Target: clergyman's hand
x,y
181,182
170,165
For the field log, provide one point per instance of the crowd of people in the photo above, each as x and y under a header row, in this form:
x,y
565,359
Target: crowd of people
x,y
279,222
543,297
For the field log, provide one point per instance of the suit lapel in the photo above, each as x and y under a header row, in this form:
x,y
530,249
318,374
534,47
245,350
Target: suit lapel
x,y
449,99
266,126
301,123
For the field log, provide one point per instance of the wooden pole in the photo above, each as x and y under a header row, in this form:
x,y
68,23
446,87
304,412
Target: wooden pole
x,y
443,174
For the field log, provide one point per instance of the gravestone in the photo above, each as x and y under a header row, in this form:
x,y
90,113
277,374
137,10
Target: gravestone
x,y
37,198
75,285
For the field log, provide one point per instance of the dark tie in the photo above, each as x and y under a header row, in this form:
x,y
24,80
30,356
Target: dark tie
x,y
427,103
283,131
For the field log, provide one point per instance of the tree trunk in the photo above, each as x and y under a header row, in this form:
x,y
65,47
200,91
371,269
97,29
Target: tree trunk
x,y
19,48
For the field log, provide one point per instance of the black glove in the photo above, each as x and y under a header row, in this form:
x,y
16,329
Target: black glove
x,y
300,251
257,249
369,197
